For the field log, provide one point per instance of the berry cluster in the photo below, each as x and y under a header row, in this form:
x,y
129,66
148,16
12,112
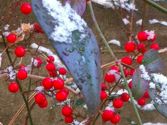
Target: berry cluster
x,y
53,85
144,41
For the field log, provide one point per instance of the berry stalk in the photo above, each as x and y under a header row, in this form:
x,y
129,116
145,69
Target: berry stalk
x,y
21,90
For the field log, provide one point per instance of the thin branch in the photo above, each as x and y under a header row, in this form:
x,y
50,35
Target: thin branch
x,y
157,6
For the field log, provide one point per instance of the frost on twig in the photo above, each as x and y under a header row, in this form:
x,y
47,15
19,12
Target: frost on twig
x,y
125,21
115,4
11,73
155,21
149,123
139,22
48,52
115,42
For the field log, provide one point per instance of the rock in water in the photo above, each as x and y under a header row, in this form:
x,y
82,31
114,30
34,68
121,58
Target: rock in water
x,y
75,44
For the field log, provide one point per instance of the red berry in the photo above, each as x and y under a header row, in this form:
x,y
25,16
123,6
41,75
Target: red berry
x,y
61,96
115,119
22,74
117,103
68,119
155,46
37,62
103,95
13,87
141,47
130,84
107,115
62,71
39,98
87,1
142,36
44,104
103,86
116,68
141,101
110,77
131,72
139,59
37,28
51,67
127,60
66,111
125,97
130,46
20,51
26,8
11,38
154,38
126,72
50,59
65,90
47,83
22,67
146,95
58,83
52,73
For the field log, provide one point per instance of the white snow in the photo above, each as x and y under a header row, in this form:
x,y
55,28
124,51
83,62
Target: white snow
x,y
139,22
115,42
125,21
39,89
6,27
124,4
144,74
155,21
161,80
11,73
115,73
156,80
149,123
67,21
150,34
49,53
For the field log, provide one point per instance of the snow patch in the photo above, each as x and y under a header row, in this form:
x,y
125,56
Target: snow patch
x,y
67,21
115,42
155,21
